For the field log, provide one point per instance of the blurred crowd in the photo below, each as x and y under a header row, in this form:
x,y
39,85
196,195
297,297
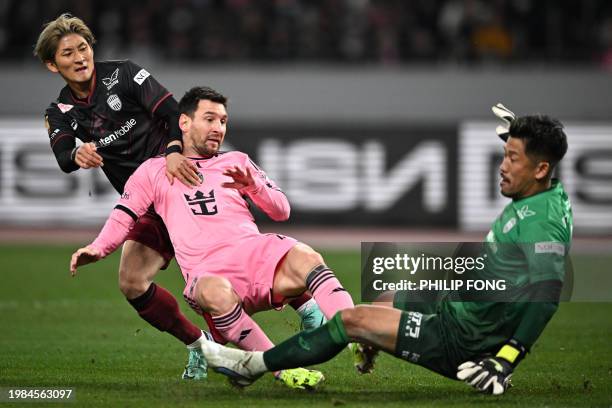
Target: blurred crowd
x,y
327,31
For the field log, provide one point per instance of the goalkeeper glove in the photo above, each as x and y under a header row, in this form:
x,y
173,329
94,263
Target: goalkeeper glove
x,y
492,375
507,116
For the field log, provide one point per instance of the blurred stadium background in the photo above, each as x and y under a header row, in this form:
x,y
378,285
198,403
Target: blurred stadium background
x,y
373,116
369,114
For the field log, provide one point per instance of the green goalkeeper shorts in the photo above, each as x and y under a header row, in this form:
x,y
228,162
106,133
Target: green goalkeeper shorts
x,y
421,339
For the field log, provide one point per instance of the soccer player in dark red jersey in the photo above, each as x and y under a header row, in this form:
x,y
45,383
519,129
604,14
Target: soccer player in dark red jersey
x,y
122,116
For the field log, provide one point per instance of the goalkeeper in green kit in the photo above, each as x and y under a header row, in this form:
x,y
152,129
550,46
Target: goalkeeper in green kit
x,y
480,342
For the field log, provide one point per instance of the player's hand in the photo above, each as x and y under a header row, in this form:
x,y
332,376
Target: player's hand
x,y
242,178
490,375
86,156
83,256
183,169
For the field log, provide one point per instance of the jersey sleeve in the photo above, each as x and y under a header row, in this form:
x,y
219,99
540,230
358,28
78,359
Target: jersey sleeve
x,y
266,195
546,246
61,138
538,313
143,87
137,194
136,198
154,97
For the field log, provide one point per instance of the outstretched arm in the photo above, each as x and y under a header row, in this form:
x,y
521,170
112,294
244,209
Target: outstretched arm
x,y
492,374
136,198
113,234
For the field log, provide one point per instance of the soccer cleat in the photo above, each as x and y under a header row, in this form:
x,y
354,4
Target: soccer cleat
x,y
241,367
301,378
312,317
237,370
363,357
196,368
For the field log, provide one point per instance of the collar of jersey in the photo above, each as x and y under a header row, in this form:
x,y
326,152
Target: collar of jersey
x,y
203,158
555,186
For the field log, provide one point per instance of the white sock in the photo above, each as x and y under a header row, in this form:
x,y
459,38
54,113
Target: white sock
x,y
198,343
256,364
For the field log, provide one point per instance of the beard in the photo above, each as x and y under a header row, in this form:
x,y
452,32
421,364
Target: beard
x,y
204,150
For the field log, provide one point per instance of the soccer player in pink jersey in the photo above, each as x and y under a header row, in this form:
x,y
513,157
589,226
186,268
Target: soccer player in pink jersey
x,y
231,270
122,116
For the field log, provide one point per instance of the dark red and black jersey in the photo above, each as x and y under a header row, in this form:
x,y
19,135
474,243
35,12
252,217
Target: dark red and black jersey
x,y
120,116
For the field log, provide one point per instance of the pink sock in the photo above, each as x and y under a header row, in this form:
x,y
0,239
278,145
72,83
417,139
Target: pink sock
x,y
238,328
327,291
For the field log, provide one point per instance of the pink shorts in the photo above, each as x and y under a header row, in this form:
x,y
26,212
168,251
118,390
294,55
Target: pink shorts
x,y
250,268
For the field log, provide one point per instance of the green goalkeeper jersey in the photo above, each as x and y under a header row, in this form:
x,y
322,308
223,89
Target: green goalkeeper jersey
x,y
528,243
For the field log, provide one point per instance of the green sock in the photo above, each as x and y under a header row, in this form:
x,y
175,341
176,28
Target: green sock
x,y
308,347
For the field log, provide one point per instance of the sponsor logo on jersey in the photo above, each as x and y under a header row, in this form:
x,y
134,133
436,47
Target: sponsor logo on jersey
x,y
550,248
125,195
73,124
64,107
509,225
525,212
141,76
114,102
111,80
205,203
129,124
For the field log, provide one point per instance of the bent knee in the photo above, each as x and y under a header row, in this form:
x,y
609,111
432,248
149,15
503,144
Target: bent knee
x,y
216,295
307,257
138,266
132,285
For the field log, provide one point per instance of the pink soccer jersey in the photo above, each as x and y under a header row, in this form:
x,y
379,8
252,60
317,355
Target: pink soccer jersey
x,y
211,227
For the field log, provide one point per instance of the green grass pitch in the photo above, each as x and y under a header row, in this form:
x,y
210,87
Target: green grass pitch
x,y
58,331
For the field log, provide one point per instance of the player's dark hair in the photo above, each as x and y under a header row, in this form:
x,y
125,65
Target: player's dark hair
x,y
189,102
49,38
543,136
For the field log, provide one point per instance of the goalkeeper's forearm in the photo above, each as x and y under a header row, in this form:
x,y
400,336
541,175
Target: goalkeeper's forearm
x,y
535,319
544,302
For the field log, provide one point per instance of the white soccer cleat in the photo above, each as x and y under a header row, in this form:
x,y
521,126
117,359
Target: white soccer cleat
x,y
241,367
